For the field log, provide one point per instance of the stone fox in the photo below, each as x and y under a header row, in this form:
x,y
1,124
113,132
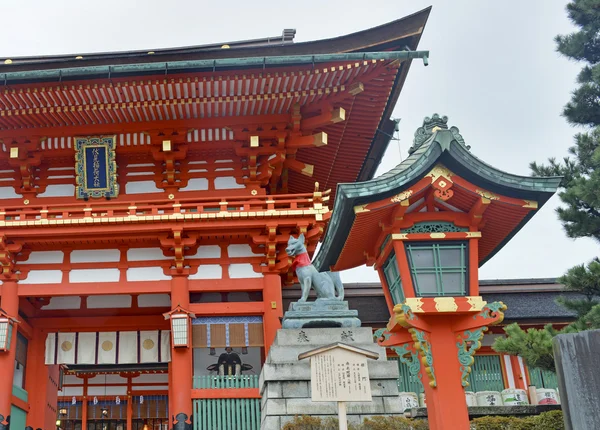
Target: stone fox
x,y
326,284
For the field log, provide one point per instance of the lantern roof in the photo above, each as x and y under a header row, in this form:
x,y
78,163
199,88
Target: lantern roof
x,y
361,208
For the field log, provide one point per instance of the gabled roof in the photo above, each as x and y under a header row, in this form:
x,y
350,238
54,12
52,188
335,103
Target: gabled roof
x,y
434,145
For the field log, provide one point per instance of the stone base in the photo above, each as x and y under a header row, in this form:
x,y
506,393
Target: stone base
x,y
321,313
285,381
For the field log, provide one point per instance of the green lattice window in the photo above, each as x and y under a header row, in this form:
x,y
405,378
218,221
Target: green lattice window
x,y
438,269
392,278
434,227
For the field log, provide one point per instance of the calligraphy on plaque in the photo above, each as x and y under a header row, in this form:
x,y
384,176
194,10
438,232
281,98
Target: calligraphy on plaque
x,y
96,167
340,375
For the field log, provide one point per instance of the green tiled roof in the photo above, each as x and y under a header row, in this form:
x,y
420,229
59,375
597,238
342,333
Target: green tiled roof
x,y
434,143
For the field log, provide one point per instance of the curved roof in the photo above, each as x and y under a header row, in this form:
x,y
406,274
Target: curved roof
x,y
356,152
434,144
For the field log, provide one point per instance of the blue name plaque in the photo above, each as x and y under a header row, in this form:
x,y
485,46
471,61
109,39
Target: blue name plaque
x,y
96,167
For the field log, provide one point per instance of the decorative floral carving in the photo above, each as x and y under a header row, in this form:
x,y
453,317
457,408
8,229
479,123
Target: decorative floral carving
x,y
429,127
409,356
404,195
434,227
423,347
493,310
403,315
469,342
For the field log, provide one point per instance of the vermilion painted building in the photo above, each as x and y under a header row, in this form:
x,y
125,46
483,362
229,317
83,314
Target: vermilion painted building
x,y
146,199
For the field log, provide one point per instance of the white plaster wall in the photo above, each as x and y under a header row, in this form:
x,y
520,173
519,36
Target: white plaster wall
x,y
109,301
208,271
71,391
9,193
244,270
67,302
94,275
227,183
145,254
241,250
141,187
153,300
196,184
59,190
95,256
43,277
109,390
149,378
207,251
45,257
146,274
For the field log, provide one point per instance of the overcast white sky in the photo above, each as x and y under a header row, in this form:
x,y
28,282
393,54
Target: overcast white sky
x,y
493,70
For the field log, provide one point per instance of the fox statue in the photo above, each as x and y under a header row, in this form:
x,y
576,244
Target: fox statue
x,y
327,285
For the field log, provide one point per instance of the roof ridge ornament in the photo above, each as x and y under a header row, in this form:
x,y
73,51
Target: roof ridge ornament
x,y
430,126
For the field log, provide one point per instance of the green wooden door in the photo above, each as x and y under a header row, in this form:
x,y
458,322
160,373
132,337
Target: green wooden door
x,y
486,374
17,418
226,414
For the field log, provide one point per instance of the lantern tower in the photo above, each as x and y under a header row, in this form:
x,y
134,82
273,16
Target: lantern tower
x,y
426,226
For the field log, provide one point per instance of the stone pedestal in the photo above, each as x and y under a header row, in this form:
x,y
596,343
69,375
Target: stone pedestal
x,y
285,381
320,313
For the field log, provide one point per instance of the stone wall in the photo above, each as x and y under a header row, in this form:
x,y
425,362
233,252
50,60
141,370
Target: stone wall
x,y
285,381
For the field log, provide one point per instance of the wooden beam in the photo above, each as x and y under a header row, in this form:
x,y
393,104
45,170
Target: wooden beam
x,y
69,324
225,285
300,167
123,127
226,393
332,116
319,139
93,289
230,308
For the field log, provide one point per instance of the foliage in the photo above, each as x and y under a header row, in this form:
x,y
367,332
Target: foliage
x,y
579,193
535,346
393,423
374,423
552,420
546,421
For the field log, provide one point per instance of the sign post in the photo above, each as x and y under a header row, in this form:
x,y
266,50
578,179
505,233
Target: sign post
x,y
339,373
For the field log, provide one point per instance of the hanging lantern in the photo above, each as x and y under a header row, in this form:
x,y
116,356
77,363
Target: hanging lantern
x,y
6,329
118,400
74,400
141,400
104,412
62,411
95,400
181,330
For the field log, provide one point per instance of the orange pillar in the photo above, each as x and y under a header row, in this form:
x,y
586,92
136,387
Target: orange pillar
x,y
446,403
180,387
518,369
273,303
9,302
36,380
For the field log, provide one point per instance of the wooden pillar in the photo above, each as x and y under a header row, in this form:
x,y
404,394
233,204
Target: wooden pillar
x,y
446,403
273,303
180,387
518,369
9,302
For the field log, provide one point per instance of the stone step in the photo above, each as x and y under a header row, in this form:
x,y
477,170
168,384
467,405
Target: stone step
x,y
315,337
300,371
